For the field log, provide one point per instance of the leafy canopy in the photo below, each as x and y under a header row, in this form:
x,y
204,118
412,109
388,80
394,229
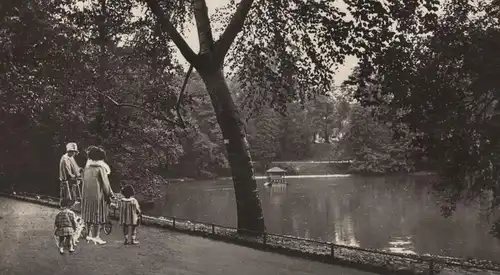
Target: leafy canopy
x,y
444,86
289,50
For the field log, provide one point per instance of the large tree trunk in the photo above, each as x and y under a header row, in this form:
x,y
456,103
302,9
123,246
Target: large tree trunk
x,y
248,207
209,63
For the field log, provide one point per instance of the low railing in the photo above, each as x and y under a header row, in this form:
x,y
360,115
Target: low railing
x,y
361,258
313,161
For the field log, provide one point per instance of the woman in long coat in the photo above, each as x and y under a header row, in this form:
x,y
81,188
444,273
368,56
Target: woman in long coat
x,y
96,193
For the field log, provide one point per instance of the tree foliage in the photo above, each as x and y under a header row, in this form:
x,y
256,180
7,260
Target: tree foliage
x,y
445,88
50,96
288,51
91,72
373,147
264,135
290,136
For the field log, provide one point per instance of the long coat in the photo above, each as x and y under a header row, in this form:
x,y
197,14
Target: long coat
x,y
95,194
68,168
68,173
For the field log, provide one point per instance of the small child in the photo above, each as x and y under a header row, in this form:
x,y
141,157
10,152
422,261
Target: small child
x,y
129,214
65,226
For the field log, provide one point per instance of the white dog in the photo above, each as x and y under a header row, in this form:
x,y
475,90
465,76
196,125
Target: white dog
x,y
80,225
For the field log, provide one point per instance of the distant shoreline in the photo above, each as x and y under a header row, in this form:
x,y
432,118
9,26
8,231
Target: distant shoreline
x,y
259,177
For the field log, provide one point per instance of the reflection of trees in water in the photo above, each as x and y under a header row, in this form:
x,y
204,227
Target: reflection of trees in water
x,y
277,215
202,203
314,213
375,216
407,209
344,232
390,210
298,208
369,211
302,209
465,234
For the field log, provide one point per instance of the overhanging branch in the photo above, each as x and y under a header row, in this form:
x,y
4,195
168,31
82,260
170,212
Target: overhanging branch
x,y
162,117
181,94
235,26
170,29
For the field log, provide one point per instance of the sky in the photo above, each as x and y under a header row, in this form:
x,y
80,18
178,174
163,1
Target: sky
x,y
191,38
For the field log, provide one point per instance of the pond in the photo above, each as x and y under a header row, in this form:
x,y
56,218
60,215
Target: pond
x,y
391,213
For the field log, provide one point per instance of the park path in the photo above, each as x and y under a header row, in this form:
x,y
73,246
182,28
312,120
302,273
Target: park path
x,y
28,247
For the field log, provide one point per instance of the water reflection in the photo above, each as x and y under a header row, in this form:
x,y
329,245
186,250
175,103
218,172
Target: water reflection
x,y
394,214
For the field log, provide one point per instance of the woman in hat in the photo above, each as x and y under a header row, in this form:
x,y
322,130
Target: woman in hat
x,y
96,193
69,172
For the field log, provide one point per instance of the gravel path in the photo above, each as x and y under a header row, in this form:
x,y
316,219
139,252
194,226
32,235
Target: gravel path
x,y
28,247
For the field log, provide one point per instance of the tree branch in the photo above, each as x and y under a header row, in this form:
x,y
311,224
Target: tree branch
x,y
205,36
235,26
162,117
169,28
181,94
